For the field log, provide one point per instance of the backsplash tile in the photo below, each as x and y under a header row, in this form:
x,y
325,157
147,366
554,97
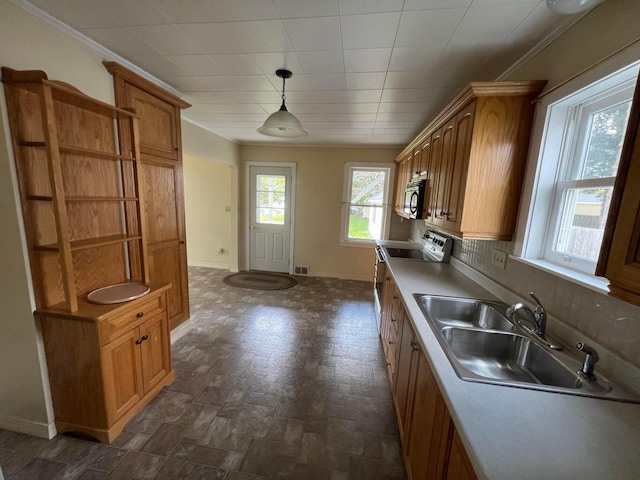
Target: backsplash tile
x,y
610,322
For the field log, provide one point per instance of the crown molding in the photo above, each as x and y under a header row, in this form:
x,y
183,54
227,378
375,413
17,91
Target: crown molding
x,y
105,52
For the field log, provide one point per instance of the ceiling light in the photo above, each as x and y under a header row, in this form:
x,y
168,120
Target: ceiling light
x,y
569,7
282,123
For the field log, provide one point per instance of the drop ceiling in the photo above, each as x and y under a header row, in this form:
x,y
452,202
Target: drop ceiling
x,y
365,72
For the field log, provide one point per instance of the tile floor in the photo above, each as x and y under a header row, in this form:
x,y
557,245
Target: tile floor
x,y
286,384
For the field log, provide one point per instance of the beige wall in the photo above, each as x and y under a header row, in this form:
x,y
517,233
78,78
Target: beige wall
x,y
207,193
319,184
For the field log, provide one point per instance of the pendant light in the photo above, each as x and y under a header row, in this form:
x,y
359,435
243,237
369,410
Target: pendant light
x,y
569,7
282,123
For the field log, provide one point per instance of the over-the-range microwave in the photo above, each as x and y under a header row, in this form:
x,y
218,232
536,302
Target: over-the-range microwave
x,y
414,199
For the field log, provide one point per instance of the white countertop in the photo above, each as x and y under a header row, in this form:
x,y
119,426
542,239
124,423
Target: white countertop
x,y
514,433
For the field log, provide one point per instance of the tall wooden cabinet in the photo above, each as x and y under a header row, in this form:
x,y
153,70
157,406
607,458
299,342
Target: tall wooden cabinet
x,y
161,158
83,205
478,149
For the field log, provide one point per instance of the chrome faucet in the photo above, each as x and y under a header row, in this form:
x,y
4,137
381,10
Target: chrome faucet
x,y
590,359
538,315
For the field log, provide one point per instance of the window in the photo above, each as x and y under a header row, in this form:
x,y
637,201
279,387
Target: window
x,y
580,147
270,199
365,205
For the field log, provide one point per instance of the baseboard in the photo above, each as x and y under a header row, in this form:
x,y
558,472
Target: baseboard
x,y
36,429
224,266
181,330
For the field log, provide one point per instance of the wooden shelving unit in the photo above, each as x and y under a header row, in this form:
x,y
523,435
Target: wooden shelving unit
x,y
81,200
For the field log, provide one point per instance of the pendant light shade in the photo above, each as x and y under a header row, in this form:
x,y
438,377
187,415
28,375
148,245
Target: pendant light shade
x,y
569,7
282,123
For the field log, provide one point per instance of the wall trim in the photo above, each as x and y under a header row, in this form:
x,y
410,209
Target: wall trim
x,y
60,25
181,330
223,266
36,429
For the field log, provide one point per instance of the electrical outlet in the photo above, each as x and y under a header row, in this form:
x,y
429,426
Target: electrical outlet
x,y
499,259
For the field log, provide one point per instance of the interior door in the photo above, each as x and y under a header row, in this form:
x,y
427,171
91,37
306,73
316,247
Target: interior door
x,y
270,198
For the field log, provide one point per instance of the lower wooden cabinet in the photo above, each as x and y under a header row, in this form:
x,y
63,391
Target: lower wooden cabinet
x,y
106,362
432,448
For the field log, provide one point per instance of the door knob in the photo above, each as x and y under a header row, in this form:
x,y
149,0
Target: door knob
x,y
252,227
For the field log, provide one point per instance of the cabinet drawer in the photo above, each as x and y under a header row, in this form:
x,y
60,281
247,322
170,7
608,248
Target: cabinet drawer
x,y
115,327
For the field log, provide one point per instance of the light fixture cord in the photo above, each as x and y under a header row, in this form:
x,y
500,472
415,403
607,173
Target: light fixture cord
x,y
283,106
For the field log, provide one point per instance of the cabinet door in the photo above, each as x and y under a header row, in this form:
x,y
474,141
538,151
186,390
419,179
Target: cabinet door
x,y
433,175
429,416
403,177
416,162
387,304
122,374
459,467
159,123
456,175
445,157
154,351
405,378
166,233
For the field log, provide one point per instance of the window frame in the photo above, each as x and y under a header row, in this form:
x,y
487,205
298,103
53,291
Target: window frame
x,y
349,168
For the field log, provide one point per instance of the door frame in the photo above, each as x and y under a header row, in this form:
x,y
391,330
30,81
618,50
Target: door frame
x,y
247,214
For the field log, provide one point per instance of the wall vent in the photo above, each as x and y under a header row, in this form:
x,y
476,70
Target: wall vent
x,y
301,270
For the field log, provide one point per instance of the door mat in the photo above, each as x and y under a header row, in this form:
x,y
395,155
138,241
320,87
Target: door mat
x,y
260,281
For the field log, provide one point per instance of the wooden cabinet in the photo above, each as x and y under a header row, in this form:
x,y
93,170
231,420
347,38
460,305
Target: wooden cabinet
x,y
403,176
81,200
106,362
478,149
431,446
161,158
619,259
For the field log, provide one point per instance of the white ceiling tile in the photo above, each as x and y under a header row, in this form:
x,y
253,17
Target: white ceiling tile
x,y
399,117
296,83
363,107
322,33
400,125
121,41
235,11
364,96
167,39
367,60
331,81
261,36
369,31
356,7
270,62
207,108
212,37
198,11
195,65
336,96
157,65
435,4
272,97
236,64
413,95
320,107
321,62
140,12
365,81
406,107
428,28
490,24
426,79
466,56
306,8
222,83
235,98
404,59
364,118
80,15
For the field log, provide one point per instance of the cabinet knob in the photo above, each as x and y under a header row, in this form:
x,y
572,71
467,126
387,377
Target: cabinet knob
x,y
142,339
139,314
390,343
415,346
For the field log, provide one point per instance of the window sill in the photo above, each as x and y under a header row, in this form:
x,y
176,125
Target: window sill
x,y
597,284
363,244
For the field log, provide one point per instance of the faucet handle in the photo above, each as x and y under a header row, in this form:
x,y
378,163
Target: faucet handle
x,y
538,302
590,359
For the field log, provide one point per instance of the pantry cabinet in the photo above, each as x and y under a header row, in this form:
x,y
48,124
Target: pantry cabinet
x,y
161,160
478,149
431,445
619,259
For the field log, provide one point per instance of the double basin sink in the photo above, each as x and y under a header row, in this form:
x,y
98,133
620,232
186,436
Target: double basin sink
x,y
483,345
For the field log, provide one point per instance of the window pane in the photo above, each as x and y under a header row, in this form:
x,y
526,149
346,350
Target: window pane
x,y
273,183
273,216
270,199
583,220
367,187
365,223
605,141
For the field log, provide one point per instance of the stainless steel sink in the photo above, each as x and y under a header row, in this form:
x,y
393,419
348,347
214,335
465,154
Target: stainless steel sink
x,y
466,312
507,357
483,345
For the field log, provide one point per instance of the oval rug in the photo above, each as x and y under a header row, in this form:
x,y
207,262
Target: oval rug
x,y
260,280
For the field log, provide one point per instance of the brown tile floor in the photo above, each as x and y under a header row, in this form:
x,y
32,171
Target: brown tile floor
x,y
284,384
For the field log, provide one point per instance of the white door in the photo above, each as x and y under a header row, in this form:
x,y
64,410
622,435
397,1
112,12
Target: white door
x,y
270,194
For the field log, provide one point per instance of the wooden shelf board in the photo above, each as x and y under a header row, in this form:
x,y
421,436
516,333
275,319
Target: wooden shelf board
x,y
85,152
91,243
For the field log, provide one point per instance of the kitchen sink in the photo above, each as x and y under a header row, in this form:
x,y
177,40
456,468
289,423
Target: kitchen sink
x,y
461,312
484,346
507,357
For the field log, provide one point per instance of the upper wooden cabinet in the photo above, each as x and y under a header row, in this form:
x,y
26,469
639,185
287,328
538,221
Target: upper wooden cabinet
x,y
619,259
478,149
161,158
80,195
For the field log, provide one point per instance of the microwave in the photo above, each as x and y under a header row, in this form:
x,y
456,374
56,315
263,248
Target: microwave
x,y
414,199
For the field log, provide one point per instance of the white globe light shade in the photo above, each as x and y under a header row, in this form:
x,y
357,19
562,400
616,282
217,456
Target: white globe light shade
x,y
282,124
569,7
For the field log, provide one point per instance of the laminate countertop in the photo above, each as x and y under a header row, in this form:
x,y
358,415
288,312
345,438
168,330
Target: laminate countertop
x,y
515,433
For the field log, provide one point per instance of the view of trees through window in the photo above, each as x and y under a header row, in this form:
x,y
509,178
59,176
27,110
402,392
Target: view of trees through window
x,y
270,198
366,204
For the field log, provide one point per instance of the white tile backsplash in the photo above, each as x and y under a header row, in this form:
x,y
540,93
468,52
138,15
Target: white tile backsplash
x,y
604,320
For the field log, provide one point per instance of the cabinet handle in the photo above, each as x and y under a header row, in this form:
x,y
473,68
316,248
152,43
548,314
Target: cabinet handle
x,y
142,339
390,343
415,346
139,314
